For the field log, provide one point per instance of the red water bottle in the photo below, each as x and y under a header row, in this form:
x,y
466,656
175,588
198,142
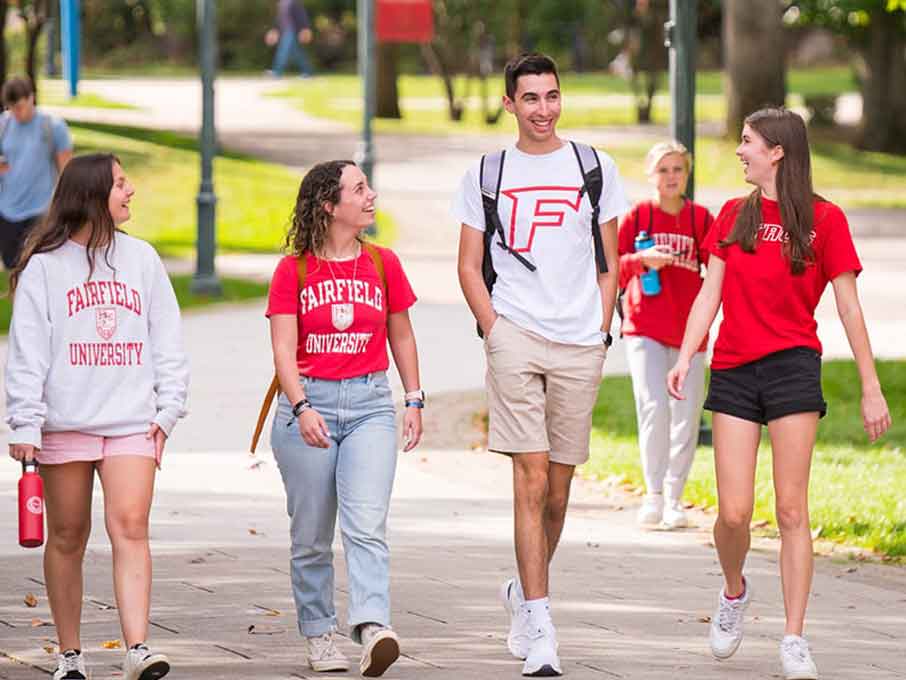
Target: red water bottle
x,y
31,506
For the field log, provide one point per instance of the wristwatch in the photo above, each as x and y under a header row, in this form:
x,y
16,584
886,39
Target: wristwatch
x,y
607,339
300,407
415,399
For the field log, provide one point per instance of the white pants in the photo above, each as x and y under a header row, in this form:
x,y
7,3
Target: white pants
x,y
668,428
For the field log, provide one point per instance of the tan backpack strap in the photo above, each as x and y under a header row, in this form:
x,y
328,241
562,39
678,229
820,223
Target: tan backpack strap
x,y
378,262
265,409
301,272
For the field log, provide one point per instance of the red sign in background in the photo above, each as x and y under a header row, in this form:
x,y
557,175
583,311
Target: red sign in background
x,y
404,21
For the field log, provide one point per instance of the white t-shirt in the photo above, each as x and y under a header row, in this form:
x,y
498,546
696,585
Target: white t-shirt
x,y
546,221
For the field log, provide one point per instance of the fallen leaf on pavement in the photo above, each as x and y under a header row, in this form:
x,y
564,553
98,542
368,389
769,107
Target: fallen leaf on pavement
x,y
110,644
31,600
49,648
253,532
704,619
37,623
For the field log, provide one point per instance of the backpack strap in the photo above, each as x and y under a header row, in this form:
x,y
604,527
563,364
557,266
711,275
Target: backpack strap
x,y
47,122
274,388
378,263
490,176
593,185
4,124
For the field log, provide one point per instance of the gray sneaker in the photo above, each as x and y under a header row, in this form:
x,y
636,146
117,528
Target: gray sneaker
x,y
726,625
143,664
323,655
380,648
518,639
70,666
796,659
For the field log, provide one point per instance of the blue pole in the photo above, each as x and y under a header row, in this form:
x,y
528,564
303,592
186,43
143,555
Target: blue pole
x,y
70,28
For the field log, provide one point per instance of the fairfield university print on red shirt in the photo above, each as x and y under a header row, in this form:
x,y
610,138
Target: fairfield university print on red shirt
x,y
106,300
341,312
766,307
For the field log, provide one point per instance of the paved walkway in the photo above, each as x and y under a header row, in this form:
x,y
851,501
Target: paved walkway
x,y
628,604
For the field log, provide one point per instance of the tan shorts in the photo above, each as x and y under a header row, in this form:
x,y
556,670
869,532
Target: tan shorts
x,y
540,393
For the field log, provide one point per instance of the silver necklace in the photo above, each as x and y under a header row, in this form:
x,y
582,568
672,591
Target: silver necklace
x,y
342,314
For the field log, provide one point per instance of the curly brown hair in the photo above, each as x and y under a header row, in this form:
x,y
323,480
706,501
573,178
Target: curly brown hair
x,y
310,221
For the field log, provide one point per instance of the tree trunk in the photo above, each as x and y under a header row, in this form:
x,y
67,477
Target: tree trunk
x,y
438,66
32,36
883,125
4,6
388,98
754,59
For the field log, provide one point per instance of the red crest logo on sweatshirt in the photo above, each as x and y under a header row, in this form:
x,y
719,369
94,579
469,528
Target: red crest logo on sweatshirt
x,y
105,321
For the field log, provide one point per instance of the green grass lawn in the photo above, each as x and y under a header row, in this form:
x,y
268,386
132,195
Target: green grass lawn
x,y
856,491
590,99
234,290
254,198
56,93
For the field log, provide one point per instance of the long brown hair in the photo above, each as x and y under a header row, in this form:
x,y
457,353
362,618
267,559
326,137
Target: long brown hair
x,y
795,194
311,221
81,198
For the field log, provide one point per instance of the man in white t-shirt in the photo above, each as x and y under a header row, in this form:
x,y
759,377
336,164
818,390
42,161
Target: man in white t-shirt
x,y
546,326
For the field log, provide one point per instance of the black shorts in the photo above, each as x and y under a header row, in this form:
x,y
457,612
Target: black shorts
x,y
774,386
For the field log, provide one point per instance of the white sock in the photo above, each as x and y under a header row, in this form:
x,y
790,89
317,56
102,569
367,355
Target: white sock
x,y
539,611
520,594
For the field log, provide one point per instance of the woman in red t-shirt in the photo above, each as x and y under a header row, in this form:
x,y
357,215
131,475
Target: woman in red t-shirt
x,y
653,328
772,255
334,304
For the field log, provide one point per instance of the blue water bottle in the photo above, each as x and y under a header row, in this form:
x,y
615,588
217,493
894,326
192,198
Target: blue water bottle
x,y
651,282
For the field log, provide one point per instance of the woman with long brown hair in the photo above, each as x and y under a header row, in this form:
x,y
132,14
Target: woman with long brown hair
x,y
95,381
335,303
772,255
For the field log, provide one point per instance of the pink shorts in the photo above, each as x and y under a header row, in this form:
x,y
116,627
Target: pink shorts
x,y
69,447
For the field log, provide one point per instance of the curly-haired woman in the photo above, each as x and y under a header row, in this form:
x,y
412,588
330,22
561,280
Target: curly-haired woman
x,y
335,302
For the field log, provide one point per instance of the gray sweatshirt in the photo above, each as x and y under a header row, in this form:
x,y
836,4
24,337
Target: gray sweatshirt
x,y
103,356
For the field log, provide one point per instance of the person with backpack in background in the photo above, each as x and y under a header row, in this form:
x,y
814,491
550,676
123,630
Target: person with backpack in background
x,y
658,284
334,304
96,379
772,254
538,268
34,148
291,31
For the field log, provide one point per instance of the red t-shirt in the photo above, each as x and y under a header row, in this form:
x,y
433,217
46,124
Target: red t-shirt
x,y
766,307
662,317
341,312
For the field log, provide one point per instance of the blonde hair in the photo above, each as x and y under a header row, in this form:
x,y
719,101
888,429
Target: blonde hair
x,y
662,149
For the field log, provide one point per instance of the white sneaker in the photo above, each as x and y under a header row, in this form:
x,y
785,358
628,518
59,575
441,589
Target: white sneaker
x,y
518,639
796,659
143,664
652,509
70,666
726,625
674,514
380,648
323,654
542,660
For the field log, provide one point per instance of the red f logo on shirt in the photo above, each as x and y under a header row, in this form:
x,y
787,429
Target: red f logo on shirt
x,y
547,206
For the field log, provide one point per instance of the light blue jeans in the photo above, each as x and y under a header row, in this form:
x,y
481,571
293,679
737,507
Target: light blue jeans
x,y
288,48
354,476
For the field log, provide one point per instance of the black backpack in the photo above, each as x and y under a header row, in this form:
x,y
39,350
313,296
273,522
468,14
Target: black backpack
x,y
490,176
